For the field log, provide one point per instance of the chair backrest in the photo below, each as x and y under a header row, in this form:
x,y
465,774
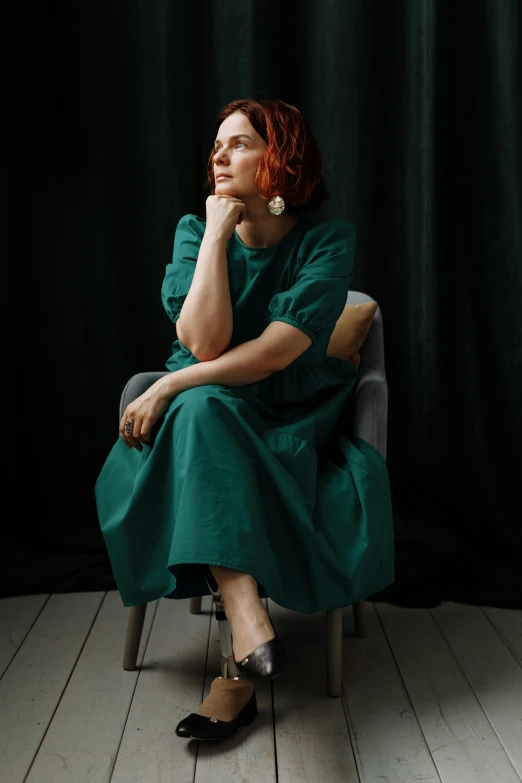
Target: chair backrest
x,y
366,414
372,351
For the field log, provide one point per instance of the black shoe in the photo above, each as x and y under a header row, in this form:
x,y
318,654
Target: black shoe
x,y
201,728
265,662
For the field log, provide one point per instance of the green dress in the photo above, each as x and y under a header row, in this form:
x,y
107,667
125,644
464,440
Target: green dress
x,y
256,477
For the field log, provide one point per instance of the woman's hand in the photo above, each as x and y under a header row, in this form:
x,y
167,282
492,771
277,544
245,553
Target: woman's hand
x,y
224,213
144,412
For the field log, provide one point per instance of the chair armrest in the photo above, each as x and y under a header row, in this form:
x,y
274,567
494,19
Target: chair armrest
x,y
370,411
136,386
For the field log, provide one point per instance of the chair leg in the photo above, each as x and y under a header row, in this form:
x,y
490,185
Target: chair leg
x,y
334,650
228,665
195,605
359,618
132,642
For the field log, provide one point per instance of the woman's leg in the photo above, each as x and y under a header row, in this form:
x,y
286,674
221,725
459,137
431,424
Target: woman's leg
x,y
250,625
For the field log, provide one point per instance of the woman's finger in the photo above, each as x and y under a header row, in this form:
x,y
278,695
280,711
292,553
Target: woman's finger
x,y
142,436
130,441
123,434
136,434
134,438
129,438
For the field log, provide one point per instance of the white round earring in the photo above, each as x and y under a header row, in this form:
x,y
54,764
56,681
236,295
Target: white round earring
x,y
276,205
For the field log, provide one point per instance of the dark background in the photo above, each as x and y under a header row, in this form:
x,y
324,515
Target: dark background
x,y
416,106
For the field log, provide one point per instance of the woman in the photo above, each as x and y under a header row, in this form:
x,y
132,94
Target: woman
x,y
226,477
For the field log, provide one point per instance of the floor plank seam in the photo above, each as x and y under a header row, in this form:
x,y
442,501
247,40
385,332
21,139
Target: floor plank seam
x,y
27,634
274,736
111,773
379,618
266,604
346,710
501,635
209,639
351,734
66,683
473,692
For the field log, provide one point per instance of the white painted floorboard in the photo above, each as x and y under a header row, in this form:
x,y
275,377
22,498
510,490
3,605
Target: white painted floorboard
x,y
312,738
170,686
427,696
389,742
460,738
84,736
34,681
493,672
17,616
508,623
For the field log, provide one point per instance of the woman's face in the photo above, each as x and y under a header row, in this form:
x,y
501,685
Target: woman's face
x,y
238,150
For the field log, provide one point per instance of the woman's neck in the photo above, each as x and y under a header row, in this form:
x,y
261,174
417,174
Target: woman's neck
x,y
265,232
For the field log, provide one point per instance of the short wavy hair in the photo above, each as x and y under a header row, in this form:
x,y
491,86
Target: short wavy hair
x,y
291,166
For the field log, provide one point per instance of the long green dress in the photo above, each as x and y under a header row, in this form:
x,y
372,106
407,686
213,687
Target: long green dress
x,y
248,476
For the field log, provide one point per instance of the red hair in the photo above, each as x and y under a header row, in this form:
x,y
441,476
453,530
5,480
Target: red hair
x,y
291,166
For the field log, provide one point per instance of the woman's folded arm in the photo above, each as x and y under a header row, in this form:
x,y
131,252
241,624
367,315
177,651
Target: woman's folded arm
x,y
251,361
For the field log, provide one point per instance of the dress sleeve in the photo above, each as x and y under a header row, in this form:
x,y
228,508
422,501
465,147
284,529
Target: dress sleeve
x,y
318,296
180,271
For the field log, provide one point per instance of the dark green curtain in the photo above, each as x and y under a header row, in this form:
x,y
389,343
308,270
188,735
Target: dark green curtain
x,y
416,105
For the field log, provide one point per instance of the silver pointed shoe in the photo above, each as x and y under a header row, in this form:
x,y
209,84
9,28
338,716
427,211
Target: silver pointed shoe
x,y
265,662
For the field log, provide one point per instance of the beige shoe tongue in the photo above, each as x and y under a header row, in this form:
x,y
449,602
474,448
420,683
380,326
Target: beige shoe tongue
x,y
226,699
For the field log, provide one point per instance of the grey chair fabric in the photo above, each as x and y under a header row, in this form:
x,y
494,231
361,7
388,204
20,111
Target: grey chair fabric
x,y
370,412
370,417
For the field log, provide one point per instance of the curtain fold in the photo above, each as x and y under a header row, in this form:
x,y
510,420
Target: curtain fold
x,y
416,106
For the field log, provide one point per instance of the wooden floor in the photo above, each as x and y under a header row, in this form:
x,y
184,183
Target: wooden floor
x,y
428,696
